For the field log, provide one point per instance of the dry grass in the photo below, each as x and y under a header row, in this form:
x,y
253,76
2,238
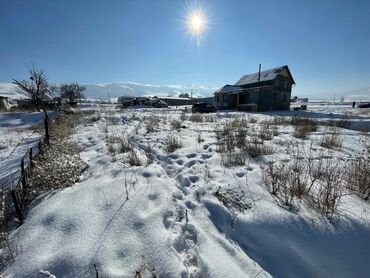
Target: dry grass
x,y
196,118
318,179
357,175
172,143
175,124
303,127
230,159
331,141
152,124
183,117
266,132
59,165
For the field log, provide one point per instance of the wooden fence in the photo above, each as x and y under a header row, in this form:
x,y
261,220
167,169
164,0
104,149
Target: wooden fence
x,y
19,191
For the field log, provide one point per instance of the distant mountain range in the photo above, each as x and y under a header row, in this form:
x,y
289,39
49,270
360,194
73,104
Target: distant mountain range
x,y
117,89
138,89
128,88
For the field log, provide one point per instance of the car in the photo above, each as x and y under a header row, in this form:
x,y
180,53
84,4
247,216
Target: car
x,y
364,105
203,107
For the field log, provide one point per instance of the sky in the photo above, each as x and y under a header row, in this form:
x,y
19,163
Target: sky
x,y
325,43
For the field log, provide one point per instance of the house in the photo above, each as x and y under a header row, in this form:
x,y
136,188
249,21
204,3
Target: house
x,y
262,91
4,104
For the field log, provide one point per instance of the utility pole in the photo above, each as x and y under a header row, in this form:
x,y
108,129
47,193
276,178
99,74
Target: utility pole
x,y
259,75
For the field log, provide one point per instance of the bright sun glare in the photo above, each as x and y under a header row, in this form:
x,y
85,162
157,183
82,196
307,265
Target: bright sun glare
x,y
196,23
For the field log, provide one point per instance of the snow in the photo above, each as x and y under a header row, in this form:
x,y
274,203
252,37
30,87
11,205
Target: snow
x,y
165,214
16,138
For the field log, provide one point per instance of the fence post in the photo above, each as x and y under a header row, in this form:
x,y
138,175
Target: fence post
x,y
31,158
47,136
40,147
22,167
17,206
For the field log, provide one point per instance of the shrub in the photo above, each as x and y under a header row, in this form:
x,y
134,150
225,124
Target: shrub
x,y
175,124
330,191
239,123
209,118
358,176
133,159
172,143
240,137
303,127
230,159
183,117
196,118
331,141
272,177
266,132
199,138
256,149
124,144
283,179
152,124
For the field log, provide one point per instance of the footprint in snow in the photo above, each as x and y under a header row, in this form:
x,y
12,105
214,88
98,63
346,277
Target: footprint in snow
x,y
194,179
206,156
168,219
240,174
191,163
180,162
192,155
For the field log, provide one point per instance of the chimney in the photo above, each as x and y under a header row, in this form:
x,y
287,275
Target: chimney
x,y
259,74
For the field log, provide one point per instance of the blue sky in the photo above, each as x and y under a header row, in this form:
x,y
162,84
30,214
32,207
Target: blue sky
x,y
325,43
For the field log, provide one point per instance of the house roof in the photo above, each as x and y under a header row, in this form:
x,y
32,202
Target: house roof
x,y
229,89
266,75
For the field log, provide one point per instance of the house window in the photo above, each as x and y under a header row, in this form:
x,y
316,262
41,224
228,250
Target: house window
x,y
217,98
284,98
276,83
285,84
224,98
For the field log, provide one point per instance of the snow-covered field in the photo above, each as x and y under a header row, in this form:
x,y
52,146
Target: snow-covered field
x,y
164,216
16,138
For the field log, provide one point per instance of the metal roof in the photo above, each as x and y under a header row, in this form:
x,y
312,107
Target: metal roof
x,y
266,75
229,89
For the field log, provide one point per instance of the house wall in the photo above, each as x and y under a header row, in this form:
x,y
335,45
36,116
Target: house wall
x,y
282,83
221,101
268,95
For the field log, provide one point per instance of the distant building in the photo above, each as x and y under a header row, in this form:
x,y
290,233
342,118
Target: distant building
x,y
176,101
262,91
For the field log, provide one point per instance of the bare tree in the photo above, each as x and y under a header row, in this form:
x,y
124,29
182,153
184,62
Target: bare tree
x,y
72,91
38,88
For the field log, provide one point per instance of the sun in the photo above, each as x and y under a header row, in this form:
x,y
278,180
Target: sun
x,y
196,23
196,20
